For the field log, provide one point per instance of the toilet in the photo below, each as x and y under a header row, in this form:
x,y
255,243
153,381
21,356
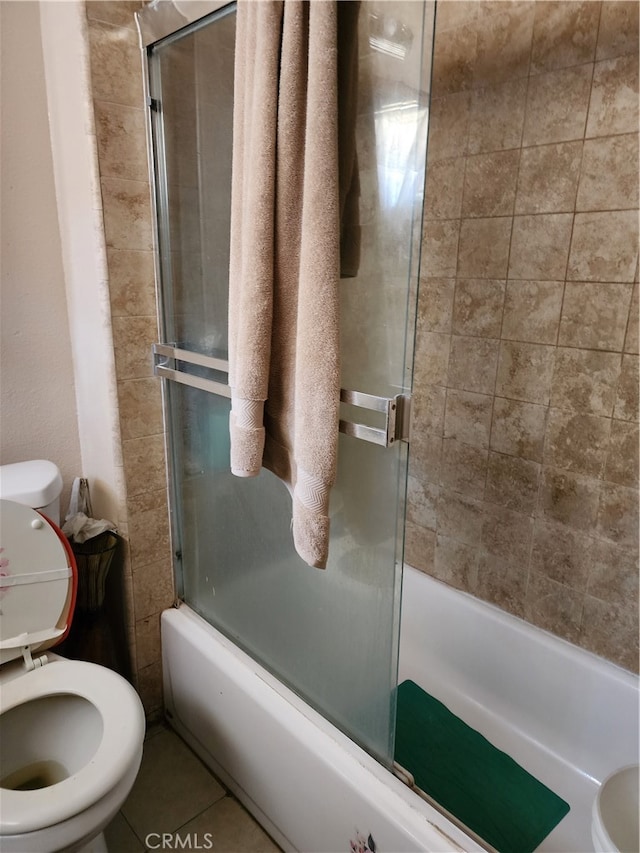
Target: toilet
x,y
614,818
71,731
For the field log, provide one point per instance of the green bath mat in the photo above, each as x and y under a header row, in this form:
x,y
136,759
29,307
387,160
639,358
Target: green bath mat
x,y
469,777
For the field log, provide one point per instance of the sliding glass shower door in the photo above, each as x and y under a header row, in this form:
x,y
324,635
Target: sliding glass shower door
x,y
331,635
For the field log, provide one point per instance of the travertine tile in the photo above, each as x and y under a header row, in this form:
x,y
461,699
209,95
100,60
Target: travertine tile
x,y
132,340
172,787
432,358
149,529
455,563
557,105
626,406
507,534
548,178
457,14
443,193
153,589
577,442
554,606
426,455
614,573
435,306
454,59
622,460
483,251
518,428
420,547
490,184
504,42
148,640
525,372
122,141
140,407
120,13
561,553
478,306
145,464
585,381
149,687
631,338
604,246
468,417
502,582
116,64
594,314
497,117
127,214
570,499
449,126
609,174
611,630
463,468
460,517
131,283
618,515
618,33
472,365
422,502
614,97
540,246
564,34
427,408
440,248
512,482
532,311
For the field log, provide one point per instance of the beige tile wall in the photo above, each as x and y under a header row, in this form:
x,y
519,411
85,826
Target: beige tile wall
x,y
116,76
523,486
524,460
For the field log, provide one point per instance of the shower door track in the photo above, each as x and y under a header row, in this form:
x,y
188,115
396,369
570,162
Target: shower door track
x,y
168,361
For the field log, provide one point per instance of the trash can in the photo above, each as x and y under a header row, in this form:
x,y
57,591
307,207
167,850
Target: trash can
x,y
94,558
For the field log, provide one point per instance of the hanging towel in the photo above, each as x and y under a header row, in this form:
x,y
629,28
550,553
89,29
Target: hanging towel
x,y
284,368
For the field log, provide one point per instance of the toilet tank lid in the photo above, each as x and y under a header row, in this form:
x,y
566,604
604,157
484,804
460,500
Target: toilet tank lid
x,y
35,483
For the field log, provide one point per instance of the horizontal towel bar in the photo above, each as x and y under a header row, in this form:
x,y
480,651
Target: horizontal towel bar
x,y
166,363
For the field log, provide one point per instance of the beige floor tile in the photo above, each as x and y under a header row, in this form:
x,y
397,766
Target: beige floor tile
x,y
121,838
173,786
231,828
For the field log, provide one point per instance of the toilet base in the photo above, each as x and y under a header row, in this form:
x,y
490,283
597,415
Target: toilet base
x,y
96,845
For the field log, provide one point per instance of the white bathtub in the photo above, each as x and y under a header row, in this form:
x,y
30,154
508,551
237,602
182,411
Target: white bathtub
x,y
568,717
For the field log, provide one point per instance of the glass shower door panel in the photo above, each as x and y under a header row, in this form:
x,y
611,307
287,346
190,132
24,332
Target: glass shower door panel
x,y
331,635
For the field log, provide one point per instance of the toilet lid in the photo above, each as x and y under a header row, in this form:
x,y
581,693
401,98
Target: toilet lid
x,y
38,581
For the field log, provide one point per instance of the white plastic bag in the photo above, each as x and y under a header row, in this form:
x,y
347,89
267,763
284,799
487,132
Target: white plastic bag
x,y
79,524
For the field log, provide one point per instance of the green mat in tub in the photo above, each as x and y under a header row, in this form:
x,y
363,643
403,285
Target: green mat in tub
x,y
482,786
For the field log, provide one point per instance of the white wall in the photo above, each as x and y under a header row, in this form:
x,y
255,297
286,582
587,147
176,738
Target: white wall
x,y
37,395
57,375
65,49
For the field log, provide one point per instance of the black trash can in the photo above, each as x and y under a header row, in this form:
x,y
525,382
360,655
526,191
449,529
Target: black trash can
x,y
94,558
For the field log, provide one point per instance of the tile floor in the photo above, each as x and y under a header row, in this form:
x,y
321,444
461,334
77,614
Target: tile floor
x,y
176,794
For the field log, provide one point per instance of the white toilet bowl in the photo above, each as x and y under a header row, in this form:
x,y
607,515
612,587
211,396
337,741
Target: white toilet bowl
x,y
615,824
71,731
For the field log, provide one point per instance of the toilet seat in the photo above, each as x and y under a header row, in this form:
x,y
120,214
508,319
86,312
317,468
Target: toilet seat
x,y
119,747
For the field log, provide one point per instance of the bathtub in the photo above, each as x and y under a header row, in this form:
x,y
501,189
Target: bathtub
x,y
567,716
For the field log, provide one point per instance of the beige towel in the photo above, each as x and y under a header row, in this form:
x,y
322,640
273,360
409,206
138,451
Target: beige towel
x,y
285,255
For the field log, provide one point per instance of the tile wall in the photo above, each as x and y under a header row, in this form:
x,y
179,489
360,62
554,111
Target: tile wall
x,y
116,77
524,462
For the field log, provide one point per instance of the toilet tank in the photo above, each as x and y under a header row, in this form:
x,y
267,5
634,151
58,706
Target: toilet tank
x,y
36,483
